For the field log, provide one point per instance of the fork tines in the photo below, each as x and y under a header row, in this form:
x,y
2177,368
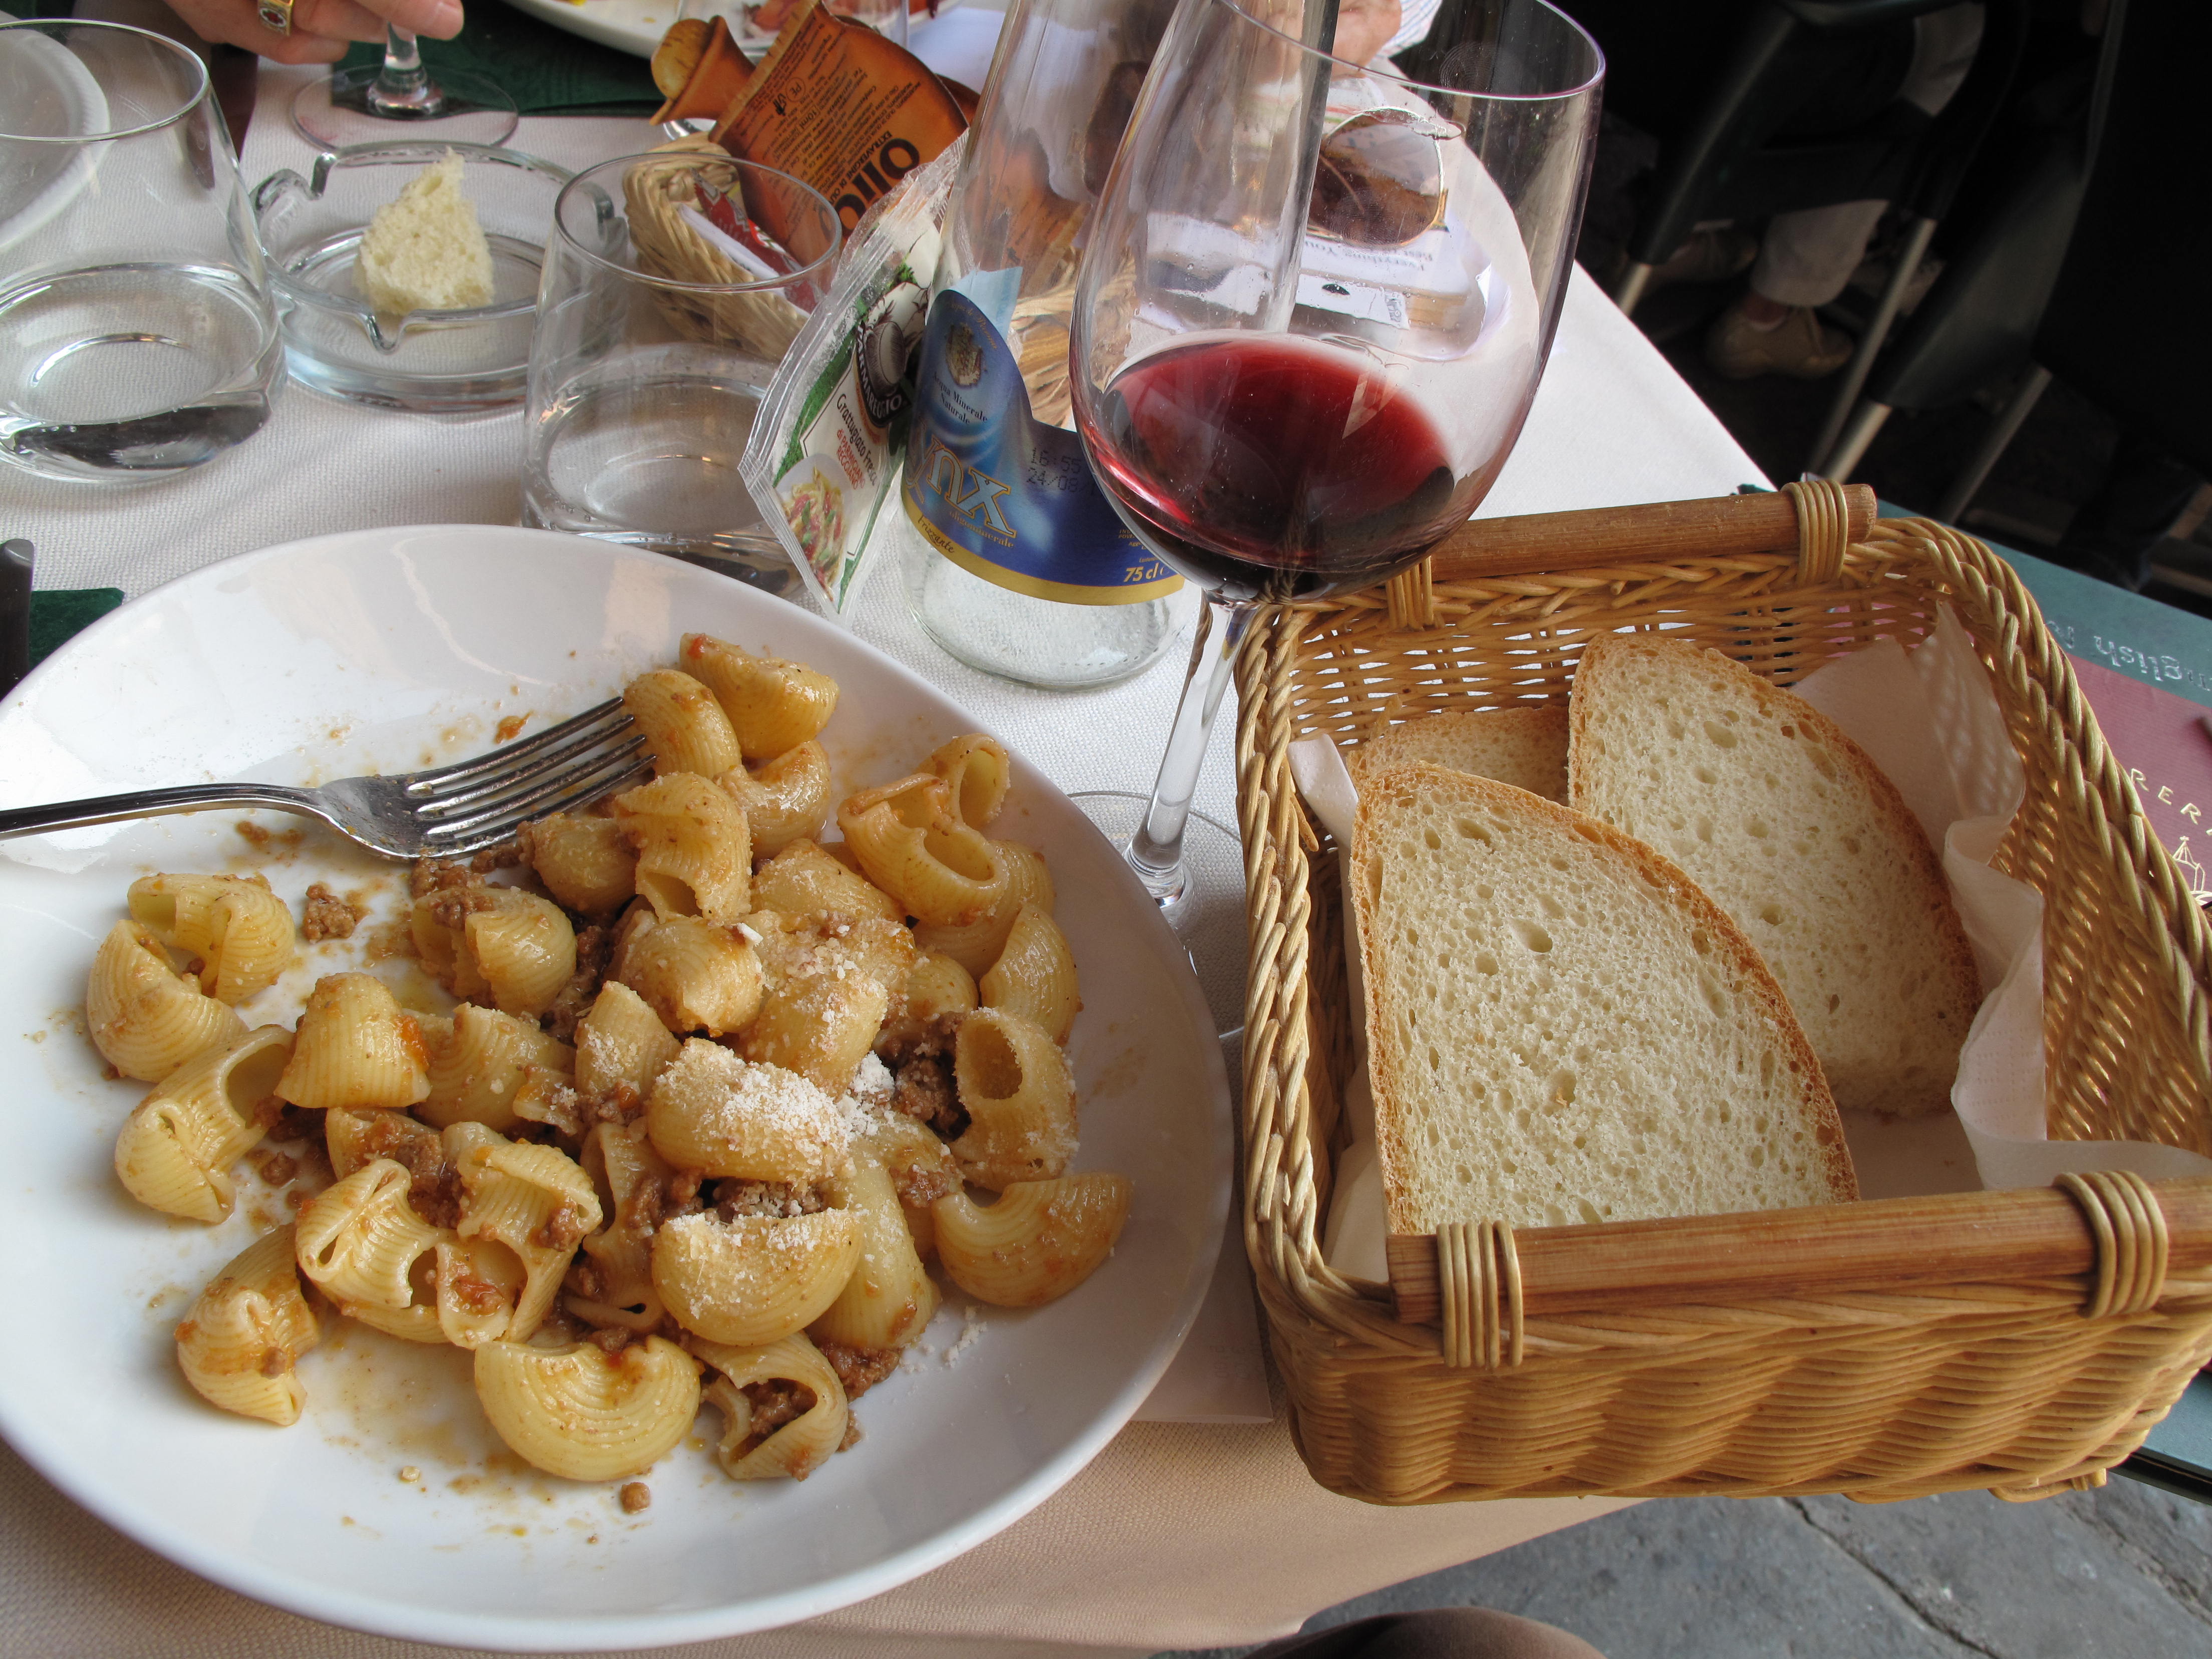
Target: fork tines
x,y
475,804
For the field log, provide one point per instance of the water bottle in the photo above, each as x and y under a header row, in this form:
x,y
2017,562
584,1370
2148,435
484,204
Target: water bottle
x,y
1013,560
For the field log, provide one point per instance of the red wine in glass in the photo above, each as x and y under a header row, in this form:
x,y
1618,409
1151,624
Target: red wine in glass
x,y
1300,352
1276,467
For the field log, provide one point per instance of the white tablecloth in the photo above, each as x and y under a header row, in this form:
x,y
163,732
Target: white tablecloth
x,y
1182,1534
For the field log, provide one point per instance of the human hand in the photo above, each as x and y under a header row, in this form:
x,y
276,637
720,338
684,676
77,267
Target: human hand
x,y
322,30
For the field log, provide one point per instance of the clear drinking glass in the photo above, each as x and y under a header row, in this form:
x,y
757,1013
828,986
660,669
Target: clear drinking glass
x,y
136,335
656,343
1315,308
367,105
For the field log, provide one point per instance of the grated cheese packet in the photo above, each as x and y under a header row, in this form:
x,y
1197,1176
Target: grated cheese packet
x,y
824,454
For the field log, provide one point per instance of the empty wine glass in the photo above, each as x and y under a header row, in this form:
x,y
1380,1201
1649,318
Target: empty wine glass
x,y
360,106
1314,309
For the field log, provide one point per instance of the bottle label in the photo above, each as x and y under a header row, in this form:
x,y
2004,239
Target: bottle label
x,y
1001,494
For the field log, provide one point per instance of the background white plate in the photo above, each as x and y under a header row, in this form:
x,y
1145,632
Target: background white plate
x,y
632,25
391,648
956,42
48,93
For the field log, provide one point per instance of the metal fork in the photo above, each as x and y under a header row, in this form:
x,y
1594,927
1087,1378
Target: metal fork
x,y
445,812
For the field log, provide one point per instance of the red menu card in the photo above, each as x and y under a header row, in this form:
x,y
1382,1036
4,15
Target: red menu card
x,y
2162,741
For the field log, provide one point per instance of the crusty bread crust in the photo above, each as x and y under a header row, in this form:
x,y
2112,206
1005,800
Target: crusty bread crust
x,y
1602,854
1524,747
1901,1058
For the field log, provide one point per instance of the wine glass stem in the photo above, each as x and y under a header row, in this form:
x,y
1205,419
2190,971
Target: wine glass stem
x,y
1156,850
404,87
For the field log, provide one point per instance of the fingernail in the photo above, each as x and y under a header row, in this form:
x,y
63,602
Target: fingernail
x,y
446,21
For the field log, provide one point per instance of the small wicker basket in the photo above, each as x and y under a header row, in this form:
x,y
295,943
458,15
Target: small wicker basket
x,y
761,322
2022,1341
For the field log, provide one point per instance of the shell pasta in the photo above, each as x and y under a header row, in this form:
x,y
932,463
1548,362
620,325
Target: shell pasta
x,y
239,932
178,1145
147,1020
709,1095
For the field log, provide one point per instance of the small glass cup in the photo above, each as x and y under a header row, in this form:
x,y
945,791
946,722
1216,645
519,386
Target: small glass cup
x,y
654,347
137,334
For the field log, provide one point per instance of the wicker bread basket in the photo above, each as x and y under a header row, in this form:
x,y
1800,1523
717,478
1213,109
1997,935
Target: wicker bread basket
x,y
2022,1341
760,321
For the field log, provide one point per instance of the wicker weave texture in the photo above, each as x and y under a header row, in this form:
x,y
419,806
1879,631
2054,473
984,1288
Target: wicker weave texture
x,y
1881,1395
761,322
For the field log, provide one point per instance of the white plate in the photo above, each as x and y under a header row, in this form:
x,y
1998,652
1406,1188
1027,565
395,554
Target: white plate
x,y
636,26
389,647
631,26
47,88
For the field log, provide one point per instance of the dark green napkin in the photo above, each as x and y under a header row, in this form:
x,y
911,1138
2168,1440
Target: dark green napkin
x,y
547,71
59,612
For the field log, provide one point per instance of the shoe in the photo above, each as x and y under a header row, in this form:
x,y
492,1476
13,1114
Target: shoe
x,y
1798,346
1709,256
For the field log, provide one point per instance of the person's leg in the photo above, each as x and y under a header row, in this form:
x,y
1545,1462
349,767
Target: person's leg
x,y
1438,1633
1804,260
1807,257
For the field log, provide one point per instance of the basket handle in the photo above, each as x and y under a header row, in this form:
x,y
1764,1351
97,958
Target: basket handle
x,y
2121,1234
1653,533
2133,1245
1479,1294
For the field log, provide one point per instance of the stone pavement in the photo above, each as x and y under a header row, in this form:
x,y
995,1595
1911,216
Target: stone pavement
x,y
2124,1572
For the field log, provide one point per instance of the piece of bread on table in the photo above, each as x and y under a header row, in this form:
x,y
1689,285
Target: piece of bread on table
x,y
425,252
1562,1029
1800,837
1524,747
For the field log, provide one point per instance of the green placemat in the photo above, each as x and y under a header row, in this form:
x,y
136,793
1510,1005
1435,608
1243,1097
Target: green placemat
x,y
59,612
547,71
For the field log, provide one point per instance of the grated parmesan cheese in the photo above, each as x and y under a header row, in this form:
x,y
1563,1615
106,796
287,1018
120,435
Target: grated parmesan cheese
x,y
971,1326
867,1099
749,1117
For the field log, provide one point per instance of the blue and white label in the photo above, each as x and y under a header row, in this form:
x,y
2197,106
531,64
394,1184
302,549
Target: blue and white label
x,y
1001,494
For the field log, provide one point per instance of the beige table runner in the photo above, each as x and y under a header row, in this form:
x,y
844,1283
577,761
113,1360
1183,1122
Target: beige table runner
x,y
1255,1548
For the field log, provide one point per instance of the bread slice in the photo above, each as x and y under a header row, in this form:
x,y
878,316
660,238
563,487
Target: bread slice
x,y
1797,835
1563,1029
1524,747
425,252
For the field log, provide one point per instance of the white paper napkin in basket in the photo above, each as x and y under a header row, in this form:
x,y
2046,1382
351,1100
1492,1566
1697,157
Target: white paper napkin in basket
x,y
1930,720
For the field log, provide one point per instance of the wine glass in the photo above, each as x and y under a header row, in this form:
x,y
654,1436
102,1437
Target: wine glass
x,y
360,106
1314,309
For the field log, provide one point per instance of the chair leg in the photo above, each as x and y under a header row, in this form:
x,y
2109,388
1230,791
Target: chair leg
x,y
1631,290
1976,470
1870,343
1852,445
2198,510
